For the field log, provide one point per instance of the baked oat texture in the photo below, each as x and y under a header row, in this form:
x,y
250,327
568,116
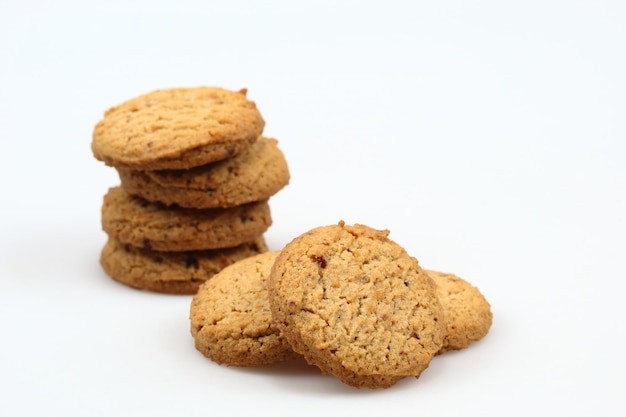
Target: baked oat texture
x,y
230,316
467,312
256,174
355,304
147,225
170,272
177,128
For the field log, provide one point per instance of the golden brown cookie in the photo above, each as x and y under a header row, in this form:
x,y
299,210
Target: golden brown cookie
x,y
137,222
177,128
467,312
355,304
170,272
255,174
230,316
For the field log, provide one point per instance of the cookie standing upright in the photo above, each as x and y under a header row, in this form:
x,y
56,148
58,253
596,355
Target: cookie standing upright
x,y
355,304
177,128
230,316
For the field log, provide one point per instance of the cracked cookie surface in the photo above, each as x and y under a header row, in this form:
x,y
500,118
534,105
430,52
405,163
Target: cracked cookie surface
x,y
230,316
177,128
147,225
355,304
255,174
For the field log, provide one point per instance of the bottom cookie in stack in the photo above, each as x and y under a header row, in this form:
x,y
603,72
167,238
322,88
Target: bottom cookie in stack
x,y
171,249
170,272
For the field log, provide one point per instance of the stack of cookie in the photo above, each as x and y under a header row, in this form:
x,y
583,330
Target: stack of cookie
x,y
196,177
347,298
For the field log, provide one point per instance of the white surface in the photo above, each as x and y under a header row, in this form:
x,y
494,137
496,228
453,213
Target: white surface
x,y
488,136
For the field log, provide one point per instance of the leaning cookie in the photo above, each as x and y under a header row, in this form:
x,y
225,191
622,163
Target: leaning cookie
x,y
143,224
255,174
177,128
230,316
170,272
467,312
356,305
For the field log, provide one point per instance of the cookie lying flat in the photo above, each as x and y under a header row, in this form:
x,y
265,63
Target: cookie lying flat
x,y
177,128
230,316
255,174
467,312
170,272
154,226
356,305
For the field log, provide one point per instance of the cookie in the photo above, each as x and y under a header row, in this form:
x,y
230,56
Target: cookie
x,y
230,316
170,272
177,128
467,312
255,174
356,304
137,222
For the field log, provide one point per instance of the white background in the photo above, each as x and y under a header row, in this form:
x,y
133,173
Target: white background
x,y
487,136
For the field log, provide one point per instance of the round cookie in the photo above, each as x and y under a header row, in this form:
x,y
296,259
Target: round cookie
x,y
137,222
255,174
170,272
355,304
230,316
177,128
467,312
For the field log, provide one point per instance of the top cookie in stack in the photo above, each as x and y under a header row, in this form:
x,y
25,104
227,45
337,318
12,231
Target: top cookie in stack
x,y
177,128
196,175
